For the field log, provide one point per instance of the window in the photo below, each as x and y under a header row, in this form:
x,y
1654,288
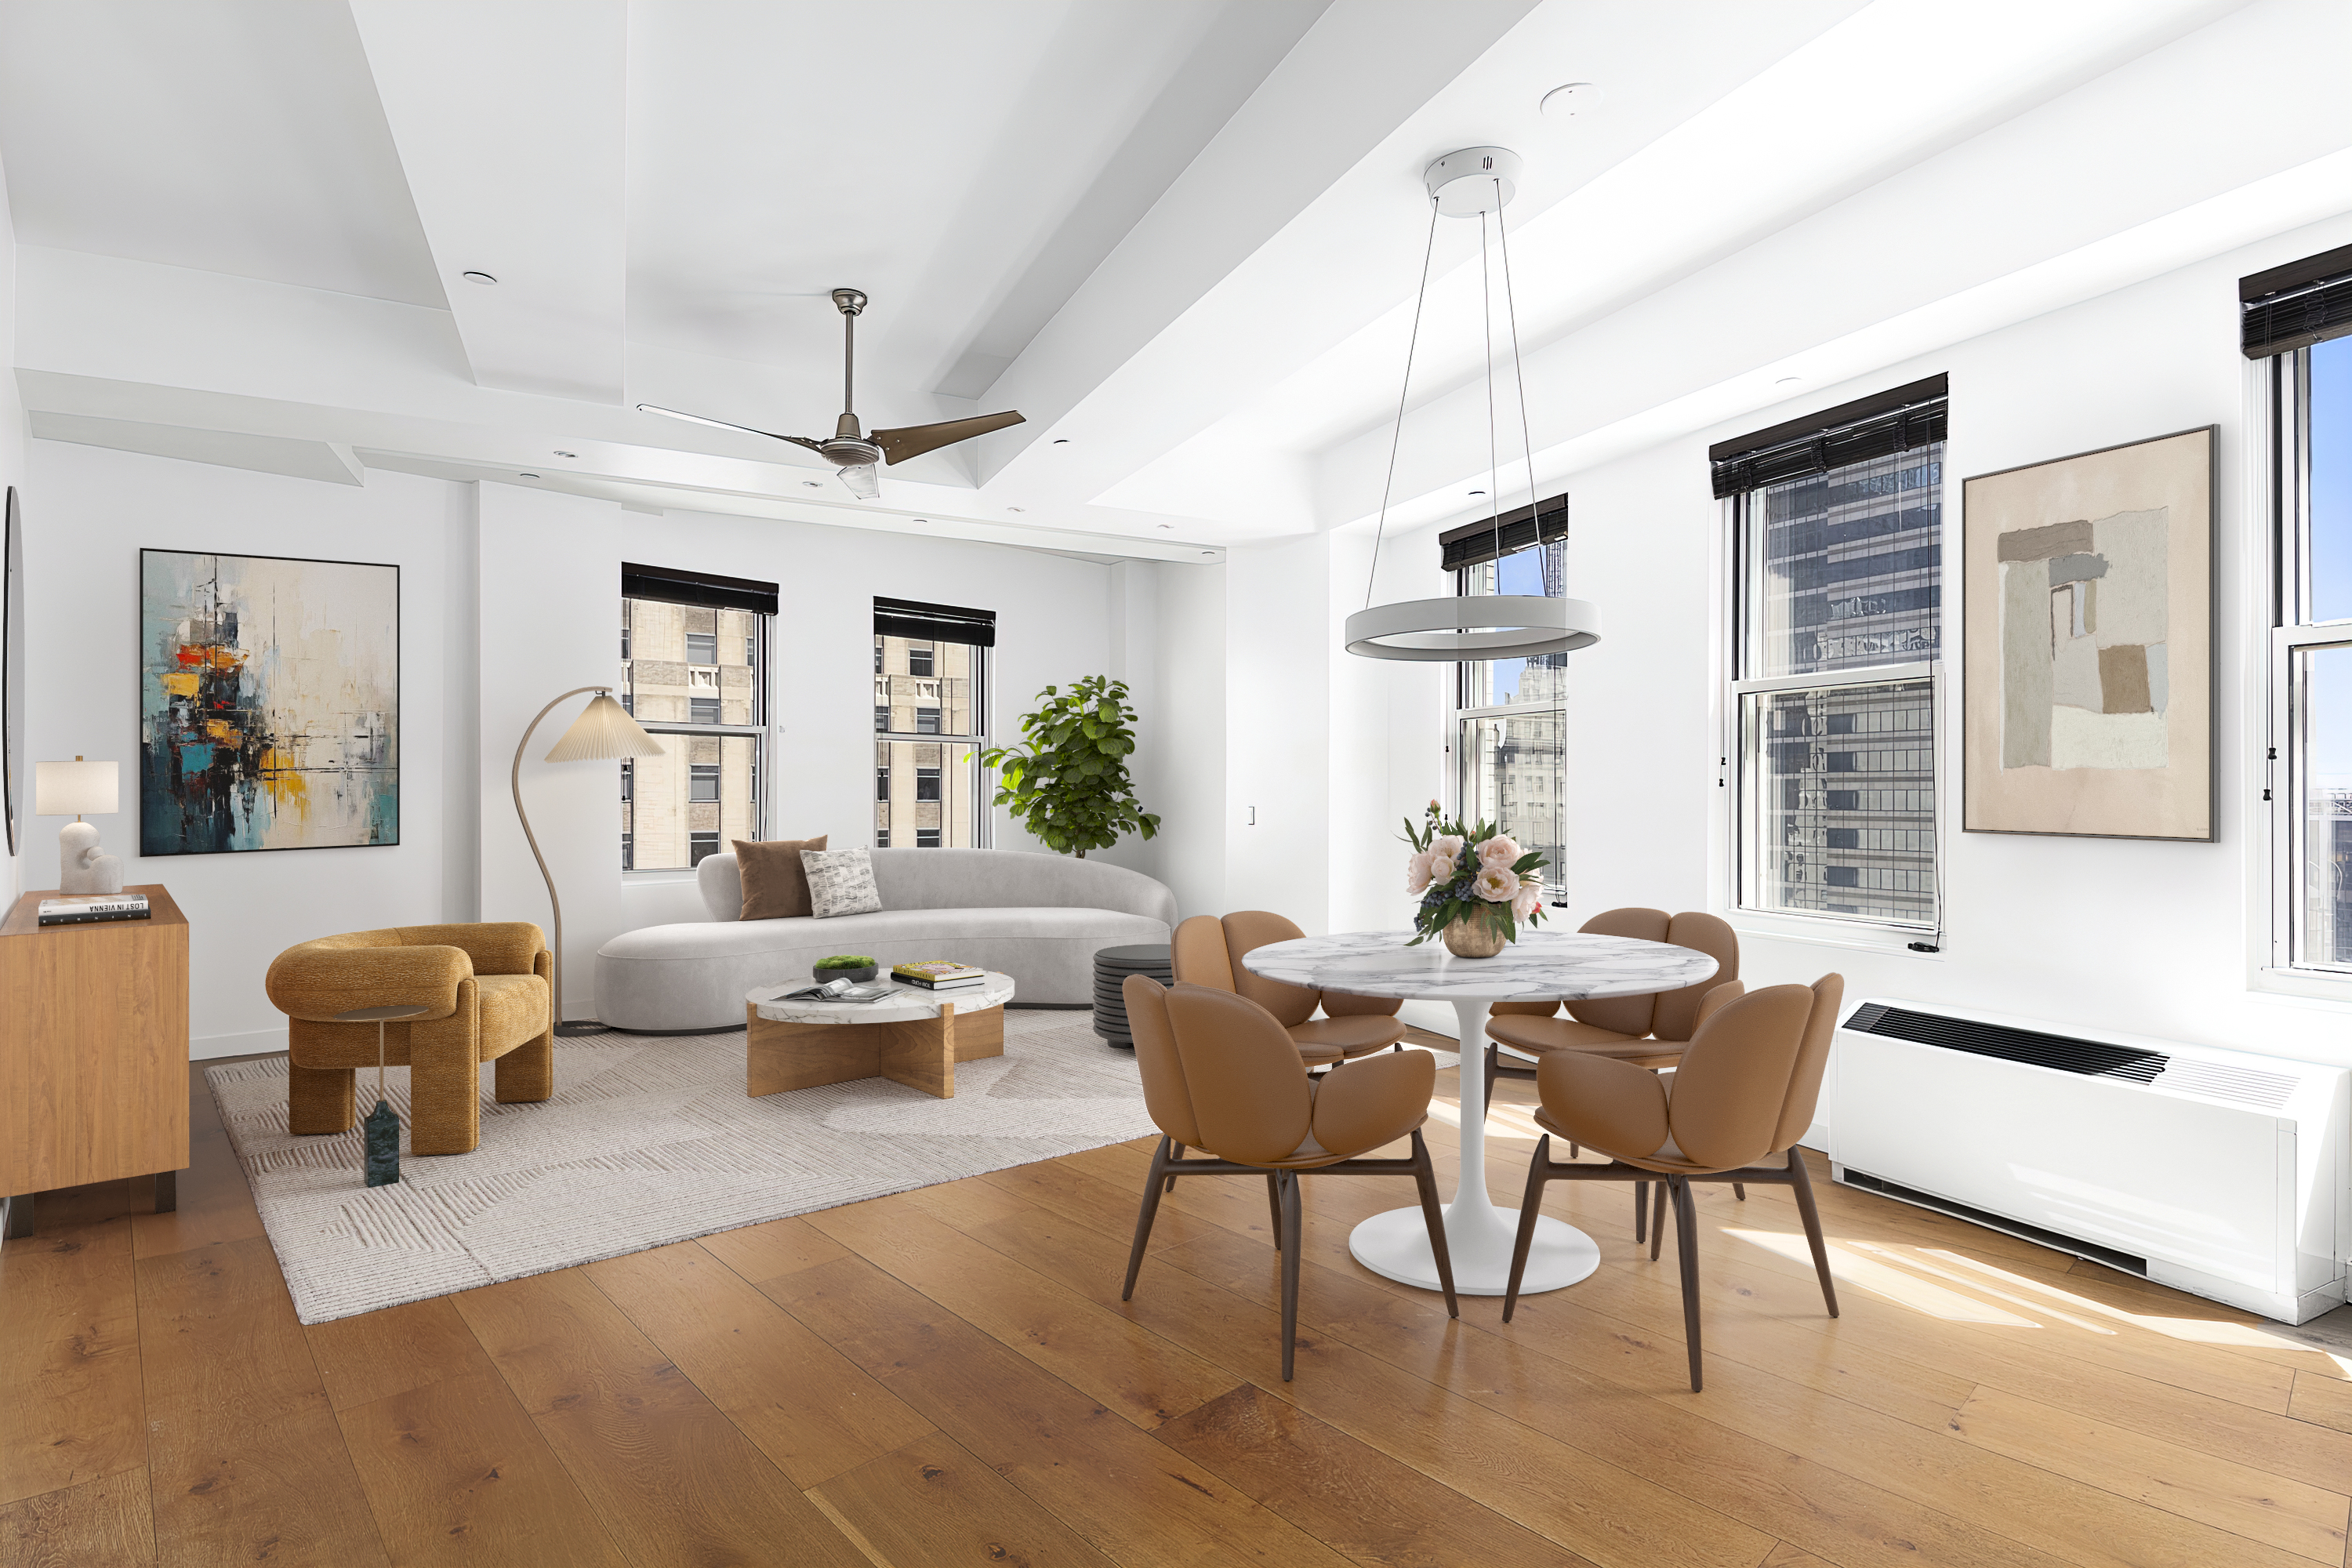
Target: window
x,y
931,689
1837,527
2310,779
683,669
1507,715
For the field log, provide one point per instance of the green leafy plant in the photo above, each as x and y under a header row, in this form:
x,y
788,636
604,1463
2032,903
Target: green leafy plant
x,y
1470,872
1068,783
845,961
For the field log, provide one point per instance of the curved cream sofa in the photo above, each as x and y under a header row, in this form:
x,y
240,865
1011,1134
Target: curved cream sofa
x,y
1038,918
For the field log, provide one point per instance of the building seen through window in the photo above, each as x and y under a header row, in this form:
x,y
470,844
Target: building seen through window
x,y
929,721
1839,597
1507,752
692,676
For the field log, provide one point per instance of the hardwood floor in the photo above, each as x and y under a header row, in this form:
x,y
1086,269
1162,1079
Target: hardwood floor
x,y
948,1376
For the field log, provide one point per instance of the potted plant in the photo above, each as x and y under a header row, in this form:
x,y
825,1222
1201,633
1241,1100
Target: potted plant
x,y
854,967
1068,784
1476,886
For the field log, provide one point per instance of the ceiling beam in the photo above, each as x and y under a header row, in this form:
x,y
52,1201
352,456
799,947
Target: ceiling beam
x,y
508,117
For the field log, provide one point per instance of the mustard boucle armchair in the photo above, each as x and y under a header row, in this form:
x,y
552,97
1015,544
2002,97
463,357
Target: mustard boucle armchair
x,y
489,987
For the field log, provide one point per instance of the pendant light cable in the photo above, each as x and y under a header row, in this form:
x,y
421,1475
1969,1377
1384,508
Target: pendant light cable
x,y
1487,320
1419,301
1519,370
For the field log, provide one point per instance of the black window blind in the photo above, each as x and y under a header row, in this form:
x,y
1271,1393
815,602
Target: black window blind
x,y
1474,544
2297,305
936,623
673,586
1893,421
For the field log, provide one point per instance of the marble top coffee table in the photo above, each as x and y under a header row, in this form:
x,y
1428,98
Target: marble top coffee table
x,y
915,1037
1539,966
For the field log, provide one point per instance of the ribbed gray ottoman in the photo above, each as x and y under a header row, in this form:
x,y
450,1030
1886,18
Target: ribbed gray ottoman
x,y
1112,967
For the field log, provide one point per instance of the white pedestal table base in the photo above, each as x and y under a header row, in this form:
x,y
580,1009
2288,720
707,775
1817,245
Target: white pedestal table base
x,y
1478,1236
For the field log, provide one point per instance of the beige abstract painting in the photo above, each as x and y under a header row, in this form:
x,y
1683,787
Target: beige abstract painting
x,y
2087,637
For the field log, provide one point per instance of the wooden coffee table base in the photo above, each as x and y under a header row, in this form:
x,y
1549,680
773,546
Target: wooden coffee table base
x,y
921,1055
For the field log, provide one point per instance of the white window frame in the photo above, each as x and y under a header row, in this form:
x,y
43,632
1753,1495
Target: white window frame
x,y
984,834
1464,759
2277,492
1737,774
761,732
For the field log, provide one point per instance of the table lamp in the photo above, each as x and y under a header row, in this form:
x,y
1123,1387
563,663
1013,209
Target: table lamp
x,y
603,732
79,789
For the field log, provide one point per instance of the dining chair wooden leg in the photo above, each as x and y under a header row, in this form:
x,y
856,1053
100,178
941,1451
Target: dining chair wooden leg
x,y
1143,1220
1802,1184
1658,1220
1530,1210
1178,1155
1425,1176
1642,1214
1739,1192
1273,1205
1686,1253
1494,1063
1290,1228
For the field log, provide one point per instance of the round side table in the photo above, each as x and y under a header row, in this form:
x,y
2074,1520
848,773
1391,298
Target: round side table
x,y
1112,967
382,1125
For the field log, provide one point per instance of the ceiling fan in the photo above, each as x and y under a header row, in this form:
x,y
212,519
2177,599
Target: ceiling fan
x,y
854,453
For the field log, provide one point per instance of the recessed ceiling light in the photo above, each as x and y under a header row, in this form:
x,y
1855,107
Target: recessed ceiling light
x,y
813,484
482,277
567,454
1208,553
1167,525
1016,508
1061,441
526,476
1569,99
1789,380
1478,493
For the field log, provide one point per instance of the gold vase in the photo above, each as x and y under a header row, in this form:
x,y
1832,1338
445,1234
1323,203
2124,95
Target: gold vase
x,y
1473,936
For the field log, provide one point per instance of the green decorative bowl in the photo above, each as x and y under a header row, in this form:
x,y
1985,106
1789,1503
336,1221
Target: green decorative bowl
x,y
821,973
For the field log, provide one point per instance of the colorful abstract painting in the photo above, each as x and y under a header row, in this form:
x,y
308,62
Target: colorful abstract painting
x,y
268,703
2089,629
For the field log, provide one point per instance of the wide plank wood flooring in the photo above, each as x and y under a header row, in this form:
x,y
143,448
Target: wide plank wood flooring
x,y
949,1376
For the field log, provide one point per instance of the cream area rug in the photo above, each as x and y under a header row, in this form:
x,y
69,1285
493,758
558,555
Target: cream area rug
x,y
648,1140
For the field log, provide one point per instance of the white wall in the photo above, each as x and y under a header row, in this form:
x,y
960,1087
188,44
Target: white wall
x,y
12,454
1184,776
88,512
2147,937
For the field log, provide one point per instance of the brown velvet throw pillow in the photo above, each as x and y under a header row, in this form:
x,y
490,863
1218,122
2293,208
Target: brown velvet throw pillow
x,y
775,887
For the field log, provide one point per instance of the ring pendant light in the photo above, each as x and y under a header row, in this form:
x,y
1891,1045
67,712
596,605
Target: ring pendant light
x,y
1471,183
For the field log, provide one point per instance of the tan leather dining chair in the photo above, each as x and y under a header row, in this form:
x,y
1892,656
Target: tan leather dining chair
x,y
1207,952
1745,1092
1649,1030
1220,1075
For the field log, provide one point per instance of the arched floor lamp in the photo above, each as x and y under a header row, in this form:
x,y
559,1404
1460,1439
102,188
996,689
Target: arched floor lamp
x,y
603,733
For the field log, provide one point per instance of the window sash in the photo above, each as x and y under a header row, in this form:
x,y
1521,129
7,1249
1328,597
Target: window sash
x,y
757,646
1747,800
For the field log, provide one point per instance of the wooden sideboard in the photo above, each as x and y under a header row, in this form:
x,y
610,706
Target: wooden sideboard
x,y
93,1052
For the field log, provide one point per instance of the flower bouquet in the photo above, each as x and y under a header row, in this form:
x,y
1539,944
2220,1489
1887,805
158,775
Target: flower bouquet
x,y
1475,885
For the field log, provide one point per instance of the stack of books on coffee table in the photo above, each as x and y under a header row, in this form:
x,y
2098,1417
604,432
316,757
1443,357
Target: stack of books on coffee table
x,y
939,974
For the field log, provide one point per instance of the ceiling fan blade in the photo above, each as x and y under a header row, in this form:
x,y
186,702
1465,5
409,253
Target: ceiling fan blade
x,y
914,440
862,482
723,425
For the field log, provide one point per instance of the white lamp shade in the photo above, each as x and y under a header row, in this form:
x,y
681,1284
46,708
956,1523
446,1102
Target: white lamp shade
x,y
76,788
604,730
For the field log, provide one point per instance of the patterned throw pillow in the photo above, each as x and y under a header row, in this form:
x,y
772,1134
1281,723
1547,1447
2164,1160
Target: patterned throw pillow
x,y
841,882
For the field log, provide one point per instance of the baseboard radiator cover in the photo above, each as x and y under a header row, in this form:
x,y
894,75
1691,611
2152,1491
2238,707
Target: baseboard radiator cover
x,y
2220,1172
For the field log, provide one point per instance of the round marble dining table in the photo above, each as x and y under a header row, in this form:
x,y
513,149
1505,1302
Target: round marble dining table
x,y
1539,966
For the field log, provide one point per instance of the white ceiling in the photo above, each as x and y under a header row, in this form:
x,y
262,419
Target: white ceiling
x,y
1180,236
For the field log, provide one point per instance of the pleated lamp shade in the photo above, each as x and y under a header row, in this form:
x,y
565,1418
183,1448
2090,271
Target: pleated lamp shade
x,y
603,731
